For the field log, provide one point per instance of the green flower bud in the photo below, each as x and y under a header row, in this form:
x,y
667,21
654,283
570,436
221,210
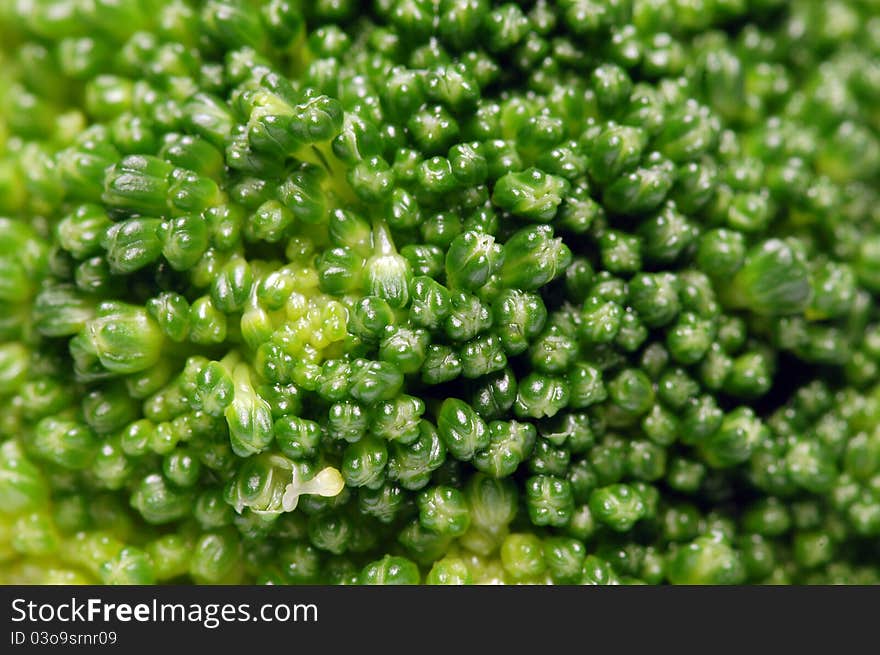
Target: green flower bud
x,y
642,190
701,418
453,86
531,194
441,228
522,556
232,286
339,271
93,276
580,211
405,348
495,394
481,356
138,183
171,311
618,506
632,392
14,362
184,241
364,462
345,420
688,131
130,567
406,164
24,486
248,415
463,432
685,476
433,129
300,563
333,381
181,468
442,364
435,176
390,570
158,502
750,375
109,409
208,117
660,425
460,22
132,244
411,463
735,439
34,534
216,558
330,532
615,150
471,259
39,397
612,86
370,317
60,310
233,25
666,235
444,510
211,509
655,298
690,338
422,544
467,317
834,291
533,258
372,381
809,466
302,193
430,302
721,252
449,571
553,352
192,153
502,158
519,317
646,460
468,164
107,96
372,179
81,232
124,338
509,445
565,558
169,555
424,259
540,395
812,549
135,439
621,253
774,280
549,500
505,27
82,165
548,459
706,560
387,274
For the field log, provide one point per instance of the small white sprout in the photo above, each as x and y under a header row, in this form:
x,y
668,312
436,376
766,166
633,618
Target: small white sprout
x,y
328,483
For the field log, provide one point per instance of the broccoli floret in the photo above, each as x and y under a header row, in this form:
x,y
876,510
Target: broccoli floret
x,y
458,292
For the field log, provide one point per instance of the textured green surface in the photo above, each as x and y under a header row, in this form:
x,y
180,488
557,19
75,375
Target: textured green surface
x,y
440,291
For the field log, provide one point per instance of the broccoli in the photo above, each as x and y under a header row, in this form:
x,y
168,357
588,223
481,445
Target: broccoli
x,y
440,291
